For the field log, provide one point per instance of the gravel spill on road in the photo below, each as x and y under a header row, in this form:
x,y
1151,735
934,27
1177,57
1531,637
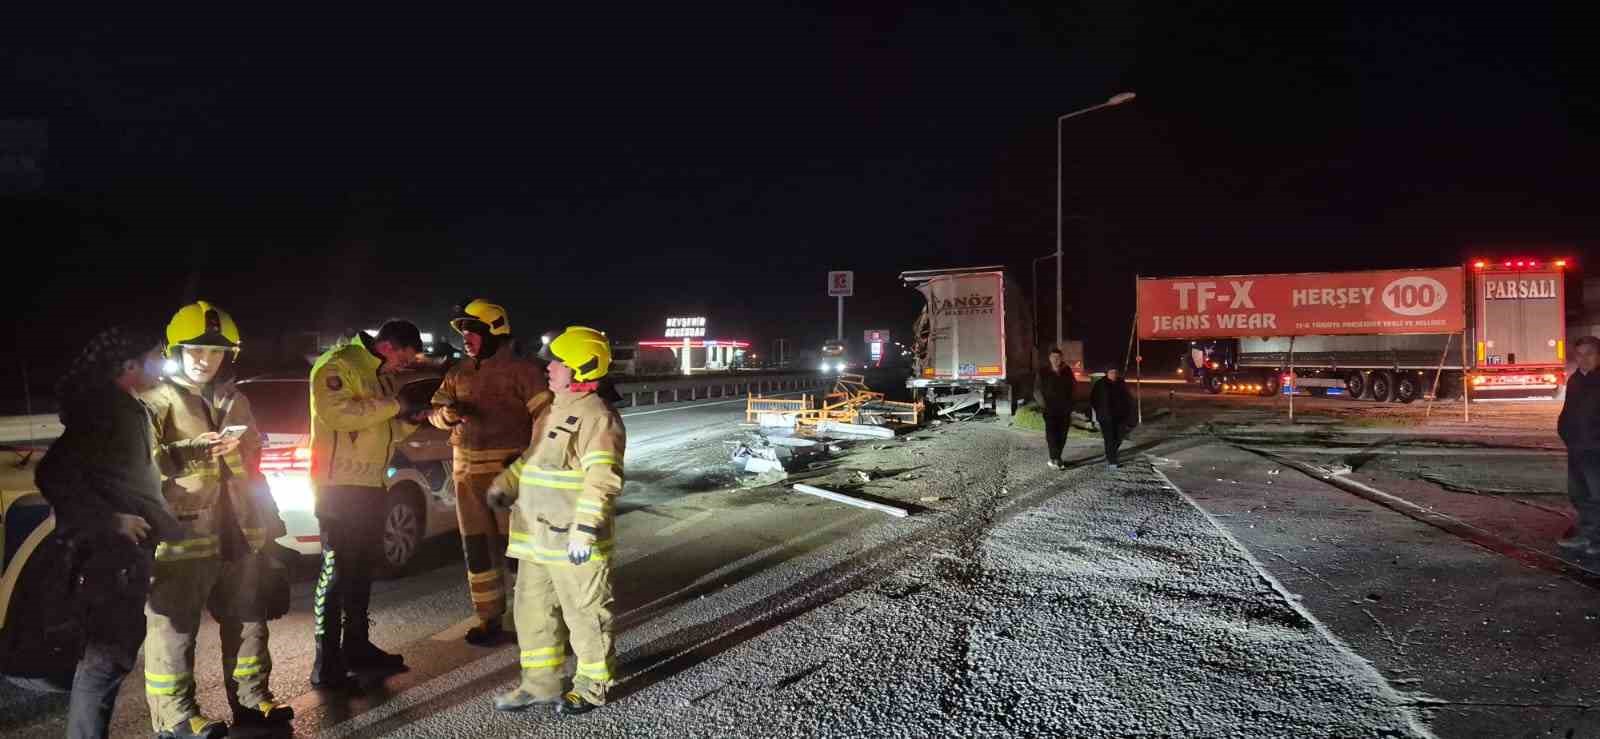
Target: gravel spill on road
x,y
1086,603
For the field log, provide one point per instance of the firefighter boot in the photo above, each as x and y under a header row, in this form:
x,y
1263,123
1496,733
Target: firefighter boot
x,y
198,727
265,715
520,700
486,634
574,704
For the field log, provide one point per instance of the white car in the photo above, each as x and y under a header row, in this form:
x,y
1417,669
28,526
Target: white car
x,y
422,495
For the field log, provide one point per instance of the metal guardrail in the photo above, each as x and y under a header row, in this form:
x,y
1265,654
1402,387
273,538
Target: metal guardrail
x,y
44,427
677,390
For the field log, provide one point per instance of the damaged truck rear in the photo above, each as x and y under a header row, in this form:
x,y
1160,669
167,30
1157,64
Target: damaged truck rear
x,y
974,345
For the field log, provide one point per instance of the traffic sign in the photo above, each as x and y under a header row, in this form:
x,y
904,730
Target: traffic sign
x,y
842,284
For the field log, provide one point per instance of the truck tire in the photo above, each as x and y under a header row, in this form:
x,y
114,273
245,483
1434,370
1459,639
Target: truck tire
x,y
1355,385
1382,386
1005,401
1271,384
1407,387
1213,383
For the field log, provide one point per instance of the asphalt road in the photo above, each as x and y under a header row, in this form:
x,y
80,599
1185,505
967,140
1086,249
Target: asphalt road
x,y
672,534
1210,589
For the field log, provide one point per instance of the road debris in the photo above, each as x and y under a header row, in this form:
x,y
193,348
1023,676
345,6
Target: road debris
x,y
855,429
763,454
848,500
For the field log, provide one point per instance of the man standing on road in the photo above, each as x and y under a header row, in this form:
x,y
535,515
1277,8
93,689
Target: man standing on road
x,y
564,490
1579,427
1053,392
211,481
356,419
101,480
487,403
1113,411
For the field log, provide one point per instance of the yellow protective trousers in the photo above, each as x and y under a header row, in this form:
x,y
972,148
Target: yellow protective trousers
x,y
179,592
483,529
558,604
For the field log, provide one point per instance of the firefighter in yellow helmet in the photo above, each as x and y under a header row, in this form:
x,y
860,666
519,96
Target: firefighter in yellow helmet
x,y
487,403
563,492
212,483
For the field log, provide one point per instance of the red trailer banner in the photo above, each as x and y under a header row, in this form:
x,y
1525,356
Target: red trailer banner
x,y
1398,301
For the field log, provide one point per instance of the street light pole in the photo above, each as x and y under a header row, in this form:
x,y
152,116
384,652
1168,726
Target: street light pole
x,y
1117,99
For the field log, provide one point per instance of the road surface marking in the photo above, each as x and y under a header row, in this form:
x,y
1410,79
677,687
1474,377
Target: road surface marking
x,y
671,529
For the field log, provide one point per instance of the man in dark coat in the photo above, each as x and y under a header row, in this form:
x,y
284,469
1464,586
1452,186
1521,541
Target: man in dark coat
x,y
1053,392
101,480
1579,427
1113,411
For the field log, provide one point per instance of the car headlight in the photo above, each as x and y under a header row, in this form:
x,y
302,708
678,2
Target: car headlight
x,y
292,492
823,367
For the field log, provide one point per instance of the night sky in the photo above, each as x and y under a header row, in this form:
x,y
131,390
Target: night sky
x,y
328,169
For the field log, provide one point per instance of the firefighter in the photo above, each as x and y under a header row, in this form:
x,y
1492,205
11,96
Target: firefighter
x,y
487,404
356,418
563,491
211,482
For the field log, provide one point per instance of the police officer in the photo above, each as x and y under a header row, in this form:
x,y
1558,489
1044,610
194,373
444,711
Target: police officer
x,y
211,482
356,419
487,404
564,490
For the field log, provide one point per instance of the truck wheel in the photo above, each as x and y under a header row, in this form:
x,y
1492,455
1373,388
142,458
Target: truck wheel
x,y
1213,383
1271,384
1407,387
1382,386
1355,385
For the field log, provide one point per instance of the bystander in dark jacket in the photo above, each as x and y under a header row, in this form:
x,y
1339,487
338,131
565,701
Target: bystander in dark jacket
x,y
101,481
1579,427
1052,391
1113,411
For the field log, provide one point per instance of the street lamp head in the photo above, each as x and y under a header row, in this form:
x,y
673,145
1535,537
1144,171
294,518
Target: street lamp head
x,y
1120,98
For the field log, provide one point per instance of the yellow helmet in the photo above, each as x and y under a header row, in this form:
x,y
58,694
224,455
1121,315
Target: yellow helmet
x,y
585,350
485,312
202,324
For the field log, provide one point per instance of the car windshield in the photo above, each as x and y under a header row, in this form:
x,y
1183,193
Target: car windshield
x,y
280,406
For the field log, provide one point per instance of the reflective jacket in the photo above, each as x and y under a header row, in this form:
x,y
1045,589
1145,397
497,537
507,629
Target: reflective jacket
x,y
353,424
570,476
498,395
193,481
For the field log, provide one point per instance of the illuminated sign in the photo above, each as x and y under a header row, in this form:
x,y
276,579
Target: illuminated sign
x,y
692,327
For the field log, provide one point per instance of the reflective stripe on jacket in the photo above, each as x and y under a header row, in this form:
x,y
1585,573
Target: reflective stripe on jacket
x,y
570,476
193,481
353,425
499,395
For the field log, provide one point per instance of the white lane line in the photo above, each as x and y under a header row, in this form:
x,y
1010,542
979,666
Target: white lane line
x,y
685,523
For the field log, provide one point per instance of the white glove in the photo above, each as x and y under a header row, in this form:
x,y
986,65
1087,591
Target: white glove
x,y
580,545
